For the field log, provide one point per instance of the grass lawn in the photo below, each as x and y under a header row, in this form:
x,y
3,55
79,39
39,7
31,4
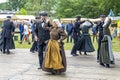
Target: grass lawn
x,y
68,46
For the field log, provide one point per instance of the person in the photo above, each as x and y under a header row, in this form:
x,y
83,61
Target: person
x,y
99,31
7,33
94,33
25,33
21,28
34,45
69,28
106,56
114,35
42,35
32,29
55,60
85,43
62,26
76,34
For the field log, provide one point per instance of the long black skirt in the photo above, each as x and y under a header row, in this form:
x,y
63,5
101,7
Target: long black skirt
x,y
85,44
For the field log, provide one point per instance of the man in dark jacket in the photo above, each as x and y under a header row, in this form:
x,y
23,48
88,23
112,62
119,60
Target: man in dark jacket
x,y
42,35
7,33
99,30
76,34
69,28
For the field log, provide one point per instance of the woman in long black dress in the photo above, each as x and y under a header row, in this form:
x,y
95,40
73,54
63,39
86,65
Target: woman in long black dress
x,y
84,42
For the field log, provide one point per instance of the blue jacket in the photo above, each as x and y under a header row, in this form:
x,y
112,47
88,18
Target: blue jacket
x,y
69,28
21,28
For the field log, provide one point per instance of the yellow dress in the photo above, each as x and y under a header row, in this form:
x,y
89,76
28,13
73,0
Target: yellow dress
x,y
54,54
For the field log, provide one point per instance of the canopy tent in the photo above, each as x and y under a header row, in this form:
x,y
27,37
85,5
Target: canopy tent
x,y
3,16
17,17
23,17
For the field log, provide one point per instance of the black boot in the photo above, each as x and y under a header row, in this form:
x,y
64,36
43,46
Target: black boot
x,y
102,64
85,53
107,66
112,62
80,53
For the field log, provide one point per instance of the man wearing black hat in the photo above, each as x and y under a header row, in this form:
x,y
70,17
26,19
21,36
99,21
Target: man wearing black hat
x,y
76,34
42,35
99,30
7,33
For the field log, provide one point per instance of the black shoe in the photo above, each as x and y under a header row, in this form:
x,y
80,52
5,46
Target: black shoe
x,y
20,42
107,66
75,54
80,53
1,50
102,64
8,52
85,53
40,67
32,51
112,62
29,43
53,72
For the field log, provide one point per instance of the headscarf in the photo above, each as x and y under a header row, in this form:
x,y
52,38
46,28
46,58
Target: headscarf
x,y
86,23
57,22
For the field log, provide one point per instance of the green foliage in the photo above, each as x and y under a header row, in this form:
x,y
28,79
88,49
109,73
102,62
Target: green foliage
x,y
86,8
65,8
17,4
22,12
4,6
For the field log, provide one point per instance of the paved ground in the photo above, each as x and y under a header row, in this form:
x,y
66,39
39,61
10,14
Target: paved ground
x,y
22,65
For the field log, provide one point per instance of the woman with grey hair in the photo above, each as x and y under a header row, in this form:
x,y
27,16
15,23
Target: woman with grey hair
x,y
55,60
85,43
106,54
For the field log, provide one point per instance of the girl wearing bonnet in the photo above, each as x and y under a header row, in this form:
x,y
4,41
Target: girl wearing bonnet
x,y
55,60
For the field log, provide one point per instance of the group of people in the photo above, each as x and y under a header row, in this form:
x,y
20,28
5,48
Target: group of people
x,y
48,39
24,32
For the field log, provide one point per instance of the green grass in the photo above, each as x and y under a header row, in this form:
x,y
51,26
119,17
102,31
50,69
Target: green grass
x,y
68,46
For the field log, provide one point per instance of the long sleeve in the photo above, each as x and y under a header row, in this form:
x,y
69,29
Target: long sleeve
x,y
107,23
91,24
13,27
63,35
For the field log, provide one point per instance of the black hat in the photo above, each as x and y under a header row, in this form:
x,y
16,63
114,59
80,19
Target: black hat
x,y
102,16
9,17
78,16
43,14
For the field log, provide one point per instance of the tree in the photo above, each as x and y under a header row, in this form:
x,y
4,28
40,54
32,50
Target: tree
x,y
87,8
22,12
4,6
17,4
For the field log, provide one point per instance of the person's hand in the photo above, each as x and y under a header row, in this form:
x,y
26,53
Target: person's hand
x,y
88,20
36,38
59,40
47,20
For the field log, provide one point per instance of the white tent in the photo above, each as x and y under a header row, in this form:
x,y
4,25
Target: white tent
x,y
23,17
3,16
